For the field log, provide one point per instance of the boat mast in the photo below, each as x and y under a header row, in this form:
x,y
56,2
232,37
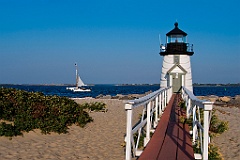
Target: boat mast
x,y
76,75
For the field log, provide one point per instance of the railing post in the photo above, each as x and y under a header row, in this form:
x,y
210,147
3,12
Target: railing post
x,y
165,97
148,125
158,100
156,112
183,94
201,131
160,104
194,124
192,102
188,107
163,107
169,94
128,107
186,102
207,108
205,135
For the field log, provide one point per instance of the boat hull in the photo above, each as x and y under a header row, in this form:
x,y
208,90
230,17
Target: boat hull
x,y
74,89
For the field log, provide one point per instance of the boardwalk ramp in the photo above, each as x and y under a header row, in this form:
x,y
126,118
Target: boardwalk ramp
x,y
171,139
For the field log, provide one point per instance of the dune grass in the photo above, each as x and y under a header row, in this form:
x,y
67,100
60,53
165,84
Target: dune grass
x,y
24,111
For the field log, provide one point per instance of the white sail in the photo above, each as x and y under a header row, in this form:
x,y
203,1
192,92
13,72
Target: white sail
x,y
80,82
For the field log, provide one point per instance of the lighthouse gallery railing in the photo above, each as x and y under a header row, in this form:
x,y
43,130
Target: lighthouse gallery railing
x,y
153,106
200,131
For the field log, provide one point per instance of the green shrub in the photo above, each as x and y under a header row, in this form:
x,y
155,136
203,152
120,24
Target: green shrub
x,y
141,140
182,104
182,119
97,106
213,153
216,125
196,147
222,127
94,106
9,130
29,110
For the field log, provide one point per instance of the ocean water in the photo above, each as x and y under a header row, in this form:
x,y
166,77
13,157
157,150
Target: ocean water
x,y
217,90
113,90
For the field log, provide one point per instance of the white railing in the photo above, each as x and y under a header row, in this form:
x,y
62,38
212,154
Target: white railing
x,y
153,106
200,132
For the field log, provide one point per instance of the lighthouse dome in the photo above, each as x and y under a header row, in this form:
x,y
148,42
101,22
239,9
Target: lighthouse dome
x,y
176,31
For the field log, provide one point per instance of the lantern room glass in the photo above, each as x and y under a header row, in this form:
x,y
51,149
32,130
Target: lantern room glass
x,y
176,39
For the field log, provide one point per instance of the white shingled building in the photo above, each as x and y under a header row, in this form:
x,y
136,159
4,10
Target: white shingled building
x,y
176,67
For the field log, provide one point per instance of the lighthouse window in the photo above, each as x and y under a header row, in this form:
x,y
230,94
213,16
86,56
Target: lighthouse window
x,y
176,59
176,39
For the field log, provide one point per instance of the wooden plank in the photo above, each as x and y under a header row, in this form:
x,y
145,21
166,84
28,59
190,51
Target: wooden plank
x,y
171,139
154,146
185,150
169,148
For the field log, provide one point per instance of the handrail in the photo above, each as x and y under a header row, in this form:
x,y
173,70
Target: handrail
x,y
154,105
144,100
194,107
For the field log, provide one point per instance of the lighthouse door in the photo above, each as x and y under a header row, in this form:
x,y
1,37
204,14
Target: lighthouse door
x,y
176,82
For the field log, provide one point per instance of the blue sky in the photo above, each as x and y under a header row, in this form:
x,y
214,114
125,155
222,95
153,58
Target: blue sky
x,y
114,41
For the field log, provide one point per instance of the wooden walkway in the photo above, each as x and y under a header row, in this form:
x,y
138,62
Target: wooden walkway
x,y
171,139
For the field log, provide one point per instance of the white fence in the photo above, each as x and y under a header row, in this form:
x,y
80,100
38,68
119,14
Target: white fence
x,y
200,132
153,106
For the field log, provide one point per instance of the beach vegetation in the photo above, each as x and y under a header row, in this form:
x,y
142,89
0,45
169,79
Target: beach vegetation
x,y
182,119
34,110
182,104
217,126
213,153
8,130
94,106
141,139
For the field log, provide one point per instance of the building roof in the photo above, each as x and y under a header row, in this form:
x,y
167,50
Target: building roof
x,y
179,66
176,31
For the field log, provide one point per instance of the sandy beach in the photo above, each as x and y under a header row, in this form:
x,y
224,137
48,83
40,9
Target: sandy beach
x,y
103,138
229,141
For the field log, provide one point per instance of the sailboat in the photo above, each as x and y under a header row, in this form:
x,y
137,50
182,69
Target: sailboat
x,y
79,84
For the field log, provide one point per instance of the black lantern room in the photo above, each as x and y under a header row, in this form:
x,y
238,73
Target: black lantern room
x,y
176,43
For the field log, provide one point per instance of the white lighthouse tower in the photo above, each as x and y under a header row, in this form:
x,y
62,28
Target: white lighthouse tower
x,y
176,67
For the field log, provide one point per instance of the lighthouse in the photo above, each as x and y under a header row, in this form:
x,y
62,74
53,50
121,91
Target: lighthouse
x,y
176,66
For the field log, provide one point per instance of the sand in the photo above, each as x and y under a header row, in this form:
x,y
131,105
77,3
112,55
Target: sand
x,y
103,138
229,141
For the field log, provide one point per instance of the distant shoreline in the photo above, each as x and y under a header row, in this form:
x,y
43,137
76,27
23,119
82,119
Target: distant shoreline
x,y
194,84
217,85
